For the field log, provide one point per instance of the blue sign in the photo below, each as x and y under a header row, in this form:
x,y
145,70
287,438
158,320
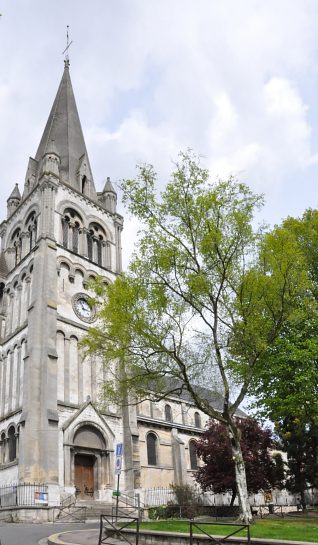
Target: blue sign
x,y
119,449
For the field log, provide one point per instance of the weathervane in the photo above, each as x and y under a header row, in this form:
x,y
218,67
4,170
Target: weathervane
x,y
68,44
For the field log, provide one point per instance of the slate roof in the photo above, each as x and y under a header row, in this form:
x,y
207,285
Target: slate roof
x,y
63,128
15,194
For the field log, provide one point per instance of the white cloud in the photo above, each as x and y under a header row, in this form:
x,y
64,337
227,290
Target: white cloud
x,y
232,80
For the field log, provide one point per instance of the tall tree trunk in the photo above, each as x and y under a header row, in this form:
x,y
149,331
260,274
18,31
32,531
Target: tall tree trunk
x,y
240,475
233,497
303,500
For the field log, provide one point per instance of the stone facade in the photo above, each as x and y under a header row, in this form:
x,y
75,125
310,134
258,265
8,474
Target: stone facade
x,y
59,234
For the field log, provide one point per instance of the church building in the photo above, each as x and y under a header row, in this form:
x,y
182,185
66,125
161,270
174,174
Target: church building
x,y
60,232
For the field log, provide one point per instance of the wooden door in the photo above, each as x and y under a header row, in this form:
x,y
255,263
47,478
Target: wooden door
x,y
84,476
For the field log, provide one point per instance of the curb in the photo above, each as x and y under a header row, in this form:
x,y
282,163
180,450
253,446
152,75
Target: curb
x,y
54,539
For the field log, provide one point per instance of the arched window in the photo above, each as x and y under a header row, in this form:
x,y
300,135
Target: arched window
x,y
95,239
3,448
17,245
197,420
193,455
152,449
71,226
12,444
31,225
168,413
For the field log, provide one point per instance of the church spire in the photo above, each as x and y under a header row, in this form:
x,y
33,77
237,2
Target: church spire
x,y
63,127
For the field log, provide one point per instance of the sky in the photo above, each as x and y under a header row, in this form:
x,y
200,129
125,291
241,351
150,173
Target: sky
x,y
234,80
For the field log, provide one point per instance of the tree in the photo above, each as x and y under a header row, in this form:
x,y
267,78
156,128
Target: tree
x,y
218,471
204,298
286,385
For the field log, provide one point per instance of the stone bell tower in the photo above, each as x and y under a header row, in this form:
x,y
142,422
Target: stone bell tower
x,y
58,235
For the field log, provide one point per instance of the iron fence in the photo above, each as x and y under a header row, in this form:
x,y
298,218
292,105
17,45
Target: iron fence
x,y
155,497
23,494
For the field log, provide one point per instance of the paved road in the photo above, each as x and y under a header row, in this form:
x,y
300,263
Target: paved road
x,y
31,534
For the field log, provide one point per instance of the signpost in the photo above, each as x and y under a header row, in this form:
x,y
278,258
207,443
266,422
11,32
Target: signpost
x,y
118,461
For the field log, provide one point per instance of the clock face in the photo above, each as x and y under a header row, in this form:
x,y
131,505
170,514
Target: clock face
x,y
82,308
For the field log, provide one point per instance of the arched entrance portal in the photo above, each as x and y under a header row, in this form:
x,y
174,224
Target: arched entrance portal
x,y
90,461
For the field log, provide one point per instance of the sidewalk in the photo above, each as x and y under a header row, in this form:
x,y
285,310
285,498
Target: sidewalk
x,y
75,537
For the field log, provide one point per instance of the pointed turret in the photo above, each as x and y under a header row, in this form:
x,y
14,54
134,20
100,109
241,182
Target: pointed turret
x,y
64,128
13,201
108,197
51,161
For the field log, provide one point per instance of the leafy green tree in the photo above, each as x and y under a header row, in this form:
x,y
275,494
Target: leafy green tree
x,y
286,385
203,300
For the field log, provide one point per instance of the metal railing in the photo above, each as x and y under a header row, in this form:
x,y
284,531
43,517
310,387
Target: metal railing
x,y
128,504
110,531
219,539
23,494
68,511
155,497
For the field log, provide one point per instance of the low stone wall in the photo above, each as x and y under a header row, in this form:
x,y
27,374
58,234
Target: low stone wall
x,y
27,514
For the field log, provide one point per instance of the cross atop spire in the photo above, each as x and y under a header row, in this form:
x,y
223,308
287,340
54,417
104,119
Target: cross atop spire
x,y
68,44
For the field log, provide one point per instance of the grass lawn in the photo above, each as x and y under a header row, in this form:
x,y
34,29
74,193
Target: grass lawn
x,y
300,529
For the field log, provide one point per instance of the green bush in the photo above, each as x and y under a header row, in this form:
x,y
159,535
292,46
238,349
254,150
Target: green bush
x,y
155,513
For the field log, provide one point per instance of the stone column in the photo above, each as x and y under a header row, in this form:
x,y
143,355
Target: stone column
x,y
71,226
18,385
67,369
10,392
84,249
108,256
104,253
178,457
10,313
25,237
19,297
118,230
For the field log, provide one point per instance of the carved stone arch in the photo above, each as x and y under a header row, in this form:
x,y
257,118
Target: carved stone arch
x,y
22,340
64,261
14,228
106,280
22,275
89,460
9,290
63,205
89,423
11,425
80,269
14,281
32,208
96,219
30,266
